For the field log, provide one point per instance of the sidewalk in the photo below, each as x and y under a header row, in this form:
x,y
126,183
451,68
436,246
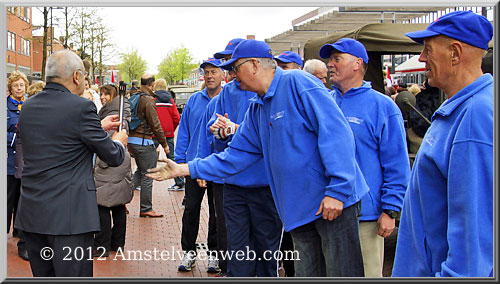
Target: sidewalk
x,y
143,234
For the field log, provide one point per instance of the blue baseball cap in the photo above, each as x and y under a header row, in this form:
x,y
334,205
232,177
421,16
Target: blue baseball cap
x,y
290,56
345,45
248,48
229,48
211,61
465,26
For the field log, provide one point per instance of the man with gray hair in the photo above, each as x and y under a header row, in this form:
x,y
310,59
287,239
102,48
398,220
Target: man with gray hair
x,y
317,68
60,131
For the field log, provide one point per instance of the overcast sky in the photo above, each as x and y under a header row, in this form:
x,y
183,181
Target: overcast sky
x,y
154,31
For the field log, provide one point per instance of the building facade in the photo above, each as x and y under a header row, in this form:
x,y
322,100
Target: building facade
x,y
19,40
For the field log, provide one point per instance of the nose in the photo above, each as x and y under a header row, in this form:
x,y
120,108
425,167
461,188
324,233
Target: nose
x,y
422,57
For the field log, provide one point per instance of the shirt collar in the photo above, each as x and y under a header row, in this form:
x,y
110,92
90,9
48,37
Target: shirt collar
x,y
454,102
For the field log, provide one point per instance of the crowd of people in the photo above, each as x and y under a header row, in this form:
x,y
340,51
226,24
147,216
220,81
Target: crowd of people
x,y
287,164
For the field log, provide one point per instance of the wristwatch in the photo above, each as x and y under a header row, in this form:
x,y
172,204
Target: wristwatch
x,y
393,214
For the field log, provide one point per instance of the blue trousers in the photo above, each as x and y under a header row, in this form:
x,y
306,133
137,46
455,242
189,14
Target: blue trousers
x,y
252,224
329,248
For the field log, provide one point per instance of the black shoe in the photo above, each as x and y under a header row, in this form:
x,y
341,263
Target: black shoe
x,y
15,233
23,254
116,248
100,253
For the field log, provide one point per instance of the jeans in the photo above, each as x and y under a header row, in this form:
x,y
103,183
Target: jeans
x,y
191,216
145,158
252,223
221,225
330,248
179,181
13,194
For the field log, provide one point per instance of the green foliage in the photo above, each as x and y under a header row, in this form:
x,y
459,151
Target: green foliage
x,y
132,66
176,65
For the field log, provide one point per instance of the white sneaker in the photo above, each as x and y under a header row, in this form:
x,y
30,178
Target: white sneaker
x,y
187,262
213,264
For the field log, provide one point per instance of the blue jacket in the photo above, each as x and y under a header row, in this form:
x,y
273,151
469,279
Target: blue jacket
x,y
188,133
12,119
381,151
447,222
306,143
234,101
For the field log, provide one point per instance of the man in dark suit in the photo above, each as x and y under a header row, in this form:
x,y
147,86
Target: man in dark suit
x,y
58,208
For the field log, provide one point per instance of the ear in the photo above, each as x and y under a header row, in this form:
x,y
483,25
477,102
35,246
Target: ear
x,y
75,77
456,49
358,64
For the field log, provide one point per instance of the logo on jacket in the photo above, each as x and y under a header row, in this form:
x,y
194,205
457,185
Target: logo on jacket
x,y
354,119
278,115
429,139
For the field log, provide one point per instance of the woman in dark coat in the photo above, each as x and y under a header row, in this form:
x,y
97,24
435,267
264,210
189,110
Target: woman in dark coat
x,y
114,184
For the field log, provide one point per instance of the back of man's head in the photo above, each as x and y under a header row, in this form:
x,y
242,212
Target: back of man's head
x,y
61,65
147,80
312,65
135,83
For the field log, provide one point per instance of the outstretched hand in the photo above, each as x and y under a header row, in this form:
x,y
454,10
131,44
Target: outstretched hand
x,y
170,170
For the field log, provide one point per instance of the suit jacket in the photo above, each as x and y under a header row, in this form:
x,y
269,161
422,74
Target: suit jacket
x,y
60,132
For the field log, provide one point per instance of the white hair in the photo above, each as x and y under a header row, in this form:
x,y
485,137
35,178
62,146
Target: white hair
x,y
312,65
268,63
62,64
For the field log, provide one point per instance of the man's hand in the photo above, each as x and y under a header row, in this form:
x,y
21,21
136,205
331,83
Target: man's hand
x,y
219,123
121,136
111,122
170,170
331,208
201,183
167,150
227,127
385,225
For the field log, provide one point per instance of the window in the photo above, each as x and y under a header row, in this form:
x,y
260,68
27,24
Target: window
x,y
25,47
11,41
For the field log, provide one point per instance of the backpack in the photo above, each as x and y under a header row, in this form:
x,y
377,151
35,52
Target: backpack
x,y
134,105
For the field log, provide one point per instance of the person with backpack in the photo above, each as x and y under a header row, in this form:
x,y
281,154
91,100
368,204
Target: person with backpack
x,y
144,123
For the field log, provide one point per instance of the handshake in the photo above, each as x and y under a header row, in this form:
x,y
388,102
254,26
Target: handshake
x,y
223,127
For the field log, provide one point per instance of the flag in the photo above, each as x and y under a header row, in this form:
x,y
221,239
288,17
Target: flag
x,y
112,77
388,73
96,81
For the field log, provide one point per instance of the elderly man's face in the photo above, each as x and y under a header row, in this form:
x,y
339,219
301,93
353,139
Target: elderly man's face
x,y
80,84
213,76
321,74
341,66
243,73
436,56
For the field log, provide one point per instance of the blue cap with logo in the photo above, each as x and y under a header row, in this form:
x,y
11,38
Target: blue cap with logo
x,y
290,56
211,61
345,45
229,48
249,48
465,26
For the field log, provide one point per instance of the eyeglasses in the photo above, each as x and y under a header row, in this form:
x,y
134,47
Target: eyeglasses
x,y
235,68
84,73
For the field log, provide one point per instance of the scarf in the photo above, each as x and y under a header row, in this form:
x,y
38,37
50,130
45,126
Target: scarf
x,y
17,103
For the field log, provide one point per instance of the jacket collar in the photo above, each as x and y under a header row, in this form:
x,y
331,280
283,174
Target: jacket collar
x,y
454,102
353,91
57,87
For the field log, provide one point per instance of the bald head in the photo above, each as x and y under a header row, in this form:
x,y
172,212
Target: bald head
x,y
147,80
61,65
66,68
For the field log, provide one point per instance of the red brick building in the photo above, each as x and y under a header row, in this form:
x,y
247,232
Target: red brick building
x,y
38,50
19,40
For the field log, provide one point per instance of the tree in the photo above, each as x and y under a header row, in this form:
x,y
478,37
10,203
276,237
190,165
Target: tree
x,y
177,65
68,17
104,48
80,28
132,66
44,44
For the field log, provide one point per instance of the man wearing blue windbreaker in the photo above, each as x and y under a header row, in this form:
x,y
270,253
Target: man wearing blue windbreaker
x,y
251,217
446,227
185,151
309,158
381,151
